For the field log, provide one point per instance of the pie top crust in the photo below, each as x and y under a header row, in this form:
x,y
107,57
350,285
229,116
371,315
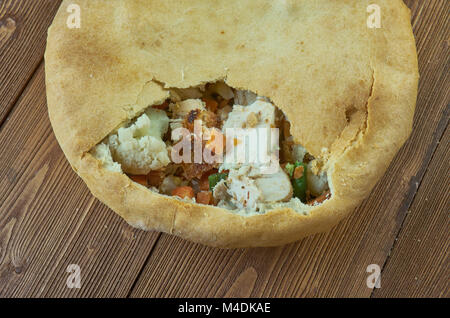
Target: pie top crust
x,y
348,90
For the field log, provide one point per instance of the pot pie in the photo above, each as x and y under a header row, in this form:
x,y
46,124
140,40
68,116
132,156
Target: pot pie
x,y
140,78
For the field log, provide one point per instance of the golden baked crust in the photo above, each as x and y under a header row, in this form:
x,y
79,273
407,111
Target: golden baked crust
x,y
348,90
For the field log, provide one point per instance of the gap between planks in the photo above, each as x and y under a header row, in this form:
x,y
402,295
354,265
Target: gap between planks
x,y
144,265
434,150
9,111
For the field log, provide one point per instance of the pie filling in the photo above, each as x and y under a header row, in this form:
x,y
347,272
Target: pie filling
x,y
220,146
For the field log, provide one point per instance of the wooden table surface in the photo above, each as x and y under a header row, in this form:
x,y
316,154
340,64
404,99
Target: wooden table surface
x,y
49,219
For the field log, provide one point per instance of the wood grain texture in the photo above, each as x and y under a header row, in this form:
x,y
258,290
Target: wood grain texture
x,y
48,218
23,31
332,264
419,263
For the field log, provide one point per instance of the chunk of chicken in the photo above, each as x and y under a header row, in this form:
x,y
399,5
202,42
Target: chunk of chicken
x,y
275,187
243,190
181,109
260,114
264,112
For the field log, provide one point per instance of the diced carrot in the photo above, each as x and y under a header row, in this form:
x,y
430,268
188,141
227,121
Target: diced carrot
x,y
162,106
141,179
204,197
155,178
298,172
184,192
325,196
204,181
211,104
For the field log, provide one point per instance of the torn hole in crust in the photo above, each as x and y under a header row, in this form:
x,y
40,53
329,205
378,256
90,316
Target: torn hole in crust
x,y
142,149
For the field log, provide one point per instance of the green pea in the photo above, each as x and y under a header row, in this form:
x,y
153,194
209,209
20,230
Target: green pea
x,y
290,169
299,185
215,178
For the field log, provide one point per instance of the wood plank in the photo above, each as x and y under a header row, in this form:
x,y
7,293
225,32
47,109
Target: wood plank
x,y
331,264
23,32
418,265
48,218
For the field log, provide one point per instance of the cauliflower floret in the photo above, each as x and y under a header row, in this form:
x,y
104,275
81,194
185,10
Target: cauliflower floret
x,y
102,153
139,148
